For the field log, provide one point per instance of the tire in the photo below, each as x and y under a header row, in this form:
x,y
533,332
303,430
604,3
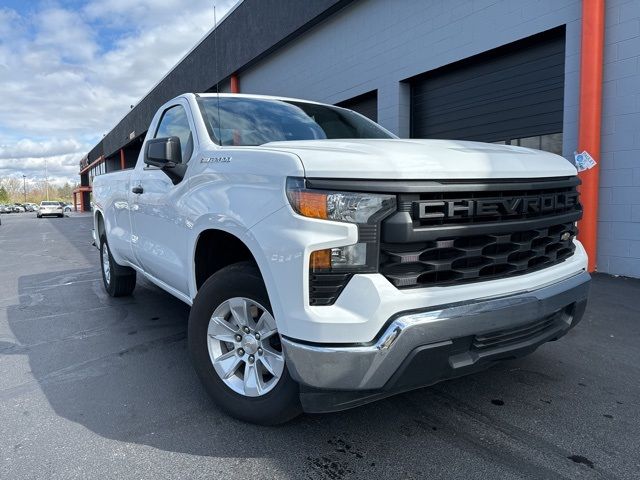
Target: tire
x,y
279,400
118,281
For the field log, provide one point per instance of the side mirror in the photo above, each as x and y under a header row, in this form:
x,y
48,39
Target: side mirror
x,y
165,153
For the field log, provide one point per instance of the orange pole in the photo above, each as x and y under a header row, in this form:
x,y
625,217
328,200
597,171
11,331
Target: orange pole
x,y
121,159
235,83
235,88
591,60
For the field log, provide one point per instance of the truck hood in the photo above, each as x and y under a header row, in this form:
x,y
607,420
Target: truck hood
x,y
422,159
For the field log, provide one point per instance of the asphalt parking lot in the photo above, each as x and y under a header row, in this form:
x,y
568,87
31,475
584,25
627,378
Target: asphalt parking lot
x,y
95,387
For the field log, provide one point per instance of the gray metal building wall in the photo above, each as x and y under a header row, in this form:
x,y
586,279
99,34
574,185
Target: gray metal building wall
x,y
619,220
376,44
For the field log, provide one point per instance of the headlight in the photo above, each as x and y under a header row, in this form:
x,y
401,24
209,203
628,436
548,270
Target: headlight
x,y
352,207
362,209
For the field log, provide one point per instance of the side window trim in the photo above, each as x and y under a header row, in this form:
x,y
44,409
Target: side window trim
x,y
155,135
186,111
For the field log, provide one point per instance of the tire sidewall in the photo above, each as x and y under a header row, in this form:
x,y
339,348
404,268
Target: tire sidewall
x,y
107,285
281,403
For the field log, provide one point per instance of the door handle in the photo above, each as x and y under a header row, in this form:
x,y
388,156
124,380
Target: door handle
x,y
137,189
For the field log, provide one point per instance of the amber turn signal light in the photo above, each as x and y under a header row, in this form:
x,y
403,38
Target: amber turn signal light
x,y
313,205
320,260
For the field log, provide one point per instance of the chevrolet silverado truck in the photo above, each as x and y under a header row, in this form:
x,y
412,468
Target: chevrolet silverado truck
x,y
329,263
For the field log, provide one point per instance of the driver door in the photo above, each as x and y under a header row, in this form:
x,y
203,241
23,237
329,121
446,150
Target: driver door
x,y
159,239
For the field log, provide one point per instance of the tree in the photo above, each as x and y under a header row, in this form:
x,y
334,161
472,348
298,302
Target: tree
x,y
4,195
65,192
13,187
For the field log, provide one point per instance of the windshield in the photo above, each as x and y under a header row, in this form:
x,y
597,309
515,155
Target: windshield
x,y
255,121
50,204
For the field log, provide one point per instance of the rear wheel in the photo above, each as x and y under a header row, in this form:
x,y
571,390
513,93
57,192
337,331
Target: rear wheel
x,y
118,281
236,351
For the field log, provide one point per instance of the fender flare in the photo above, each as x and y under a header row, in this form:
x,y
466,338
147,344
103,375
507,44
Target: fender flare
x,y
208,222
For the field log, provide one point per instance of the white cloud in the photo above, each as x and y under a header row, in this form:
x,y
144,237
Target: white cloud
x,y
63,86
58,168
27,148
65,33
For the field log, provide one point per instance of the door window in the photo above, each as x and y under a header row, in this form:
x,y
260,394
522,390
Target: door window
x,y
174,123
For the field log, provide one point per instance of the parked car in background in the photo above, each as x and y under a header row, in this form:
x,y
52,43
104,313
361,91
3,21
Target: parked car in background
x,y
18,208
4,209
67,207
50,208
30,207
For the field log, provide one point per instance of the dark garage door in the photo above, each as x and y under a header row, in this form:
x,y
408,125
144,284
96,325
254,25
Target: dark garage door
x,y
365,104
513,94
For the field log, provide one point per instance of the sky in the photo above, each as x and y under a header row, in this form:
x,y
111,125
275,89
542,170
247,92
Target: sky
x,y
71,69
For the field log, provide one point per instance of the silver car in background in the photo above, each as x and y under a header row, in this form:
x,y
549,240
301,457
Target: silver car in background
x,y
50,209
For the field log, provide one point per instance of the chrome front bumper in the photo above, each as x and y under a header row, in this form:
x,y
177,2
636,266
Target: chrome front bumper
x,y
372,366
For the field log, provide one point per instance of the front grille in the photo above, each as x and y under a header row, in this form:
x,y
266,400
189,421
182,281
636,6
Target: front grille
x,y
421,249
508,337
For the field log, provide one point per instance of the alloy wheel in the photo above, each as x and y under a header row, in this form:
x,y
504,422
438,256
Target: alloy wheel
x,y
244,347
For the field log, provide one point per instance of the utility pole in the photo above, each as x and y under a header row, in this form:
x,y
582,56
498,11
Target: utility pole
x,y
46,177
24,187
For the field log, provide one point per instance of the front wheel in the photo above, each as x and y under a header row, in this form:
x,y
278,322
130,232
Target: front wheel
x,y
236,351
118,281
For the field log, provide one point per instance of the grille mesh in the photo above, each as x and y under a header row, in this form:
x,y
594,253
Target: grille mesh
x,y
479,257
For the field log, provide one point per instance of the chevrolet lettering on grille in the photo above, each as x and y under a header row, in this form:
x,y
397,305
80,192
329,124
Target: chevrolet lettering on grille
x,y
482,207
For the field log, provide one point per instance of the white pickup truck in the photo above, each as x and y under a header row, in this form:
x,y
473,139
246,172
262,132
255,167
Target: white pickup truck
x,y
329,263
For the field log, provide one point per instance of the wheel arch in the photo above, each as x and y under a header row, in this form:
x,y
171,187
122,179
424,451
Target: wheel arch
x,y
215,249
98,224
236,245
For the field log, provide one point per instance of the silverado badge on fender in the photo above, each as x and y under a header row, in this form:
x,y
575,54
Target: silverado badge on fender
x,y
215,160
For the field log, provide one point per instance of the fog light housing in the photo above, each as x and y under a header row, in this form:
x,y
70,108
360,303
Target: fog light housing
x,y
350,258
